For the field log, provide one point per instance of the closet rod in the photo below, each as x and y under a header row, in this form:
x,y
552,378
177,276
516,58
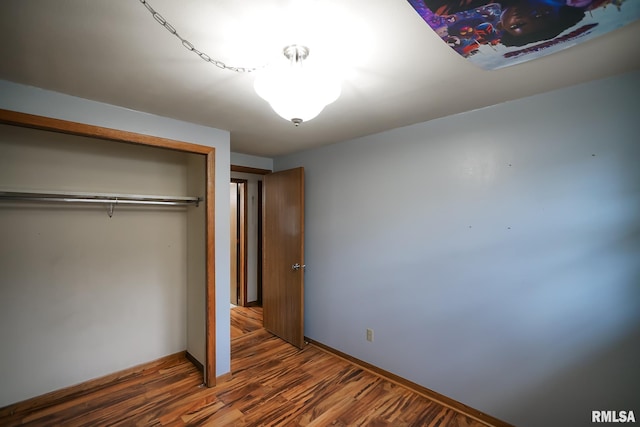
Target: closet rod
x,y
117,199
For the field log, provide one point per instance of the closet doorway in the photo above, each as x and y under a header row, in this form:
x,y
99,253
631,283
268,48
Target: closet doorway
x,y
14,118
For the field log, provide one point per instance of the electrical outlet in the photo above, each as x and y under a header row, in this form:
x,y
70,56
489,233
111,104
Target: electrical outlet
x,y
370,335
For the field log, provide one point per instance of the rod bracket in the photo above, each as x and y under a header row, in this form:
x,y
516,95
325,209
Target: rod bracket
x,y
110,207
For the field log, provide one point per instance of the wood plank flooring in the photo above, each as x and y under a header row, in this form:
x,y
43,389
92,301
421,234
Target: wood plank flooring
x,y
245,320
273,384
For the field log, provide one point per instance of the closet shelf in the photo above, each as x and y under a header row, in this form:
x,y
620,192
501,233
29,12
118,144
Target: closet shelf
x,y
109,199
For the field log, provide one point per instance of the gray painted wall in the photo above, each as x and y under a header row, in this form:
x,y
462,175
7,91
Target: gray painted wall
x,y
196,258
257,162
496,253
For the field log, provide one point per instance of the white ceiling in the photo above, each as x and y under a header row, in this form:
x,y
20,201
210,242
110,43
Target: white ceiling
x,y
398,71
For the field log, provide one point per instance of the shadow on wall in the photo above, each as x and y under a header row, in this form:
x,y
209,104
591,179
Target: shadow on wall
x,y
606,376
607,379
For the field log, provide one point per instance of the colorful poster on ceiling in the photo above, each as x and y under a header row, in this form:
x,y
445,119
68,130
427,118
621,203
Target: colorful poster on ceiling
x,y
496,34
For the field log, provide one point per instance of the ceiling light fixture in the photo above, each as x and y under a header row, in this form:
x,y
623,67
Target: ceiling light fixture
x,y
297,89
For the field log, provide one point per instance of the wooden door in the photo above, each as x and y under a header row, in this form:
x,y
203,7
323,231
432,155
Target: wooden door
x,y
283,255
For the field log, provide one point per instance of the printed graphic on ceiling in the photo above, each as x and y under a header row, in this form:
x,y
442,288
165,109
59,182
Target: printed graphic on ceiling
x,y
498,34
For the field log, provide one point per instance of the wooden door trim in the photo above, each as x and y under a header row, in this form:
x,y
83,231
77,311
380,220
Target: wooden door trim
x,y
243,223
247,169
234,252
259,255
81,129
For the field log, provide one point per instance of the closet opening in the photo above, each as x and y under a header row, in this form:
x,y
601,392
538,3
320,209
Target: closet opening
x,y
203,159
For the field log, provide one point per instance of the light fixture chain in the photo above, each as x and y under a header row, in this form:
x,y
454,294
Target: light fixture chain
x,y
189,46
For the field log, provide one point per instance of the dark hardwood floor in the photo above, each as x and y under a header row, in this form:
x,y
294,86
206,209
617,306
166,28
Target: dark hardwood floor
x,y
273,384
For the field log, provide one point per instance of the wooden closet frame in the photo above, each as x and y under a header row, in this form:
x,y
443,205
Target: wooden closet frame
x,y
73,128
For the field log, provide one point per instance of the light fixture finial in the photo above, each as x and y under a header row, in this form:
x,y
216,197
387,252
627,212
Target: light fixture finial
x,y
296,52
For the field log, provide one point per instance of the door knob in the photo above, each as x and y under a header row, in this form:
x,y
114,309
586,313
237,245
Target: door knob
x,y
296,266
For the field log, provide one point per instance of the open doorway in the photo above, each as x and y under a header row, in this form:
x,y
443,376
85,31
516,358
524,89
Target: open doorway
x,y
245,240
238,242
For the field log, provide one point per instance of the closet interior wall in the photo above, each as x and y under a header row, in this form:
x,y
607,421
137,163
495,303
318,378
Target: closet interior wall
x,y
83,294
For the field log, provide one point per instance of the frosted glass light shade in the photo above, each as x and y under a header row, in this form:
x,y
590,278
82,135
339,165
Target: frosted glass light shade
x,y
297,91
